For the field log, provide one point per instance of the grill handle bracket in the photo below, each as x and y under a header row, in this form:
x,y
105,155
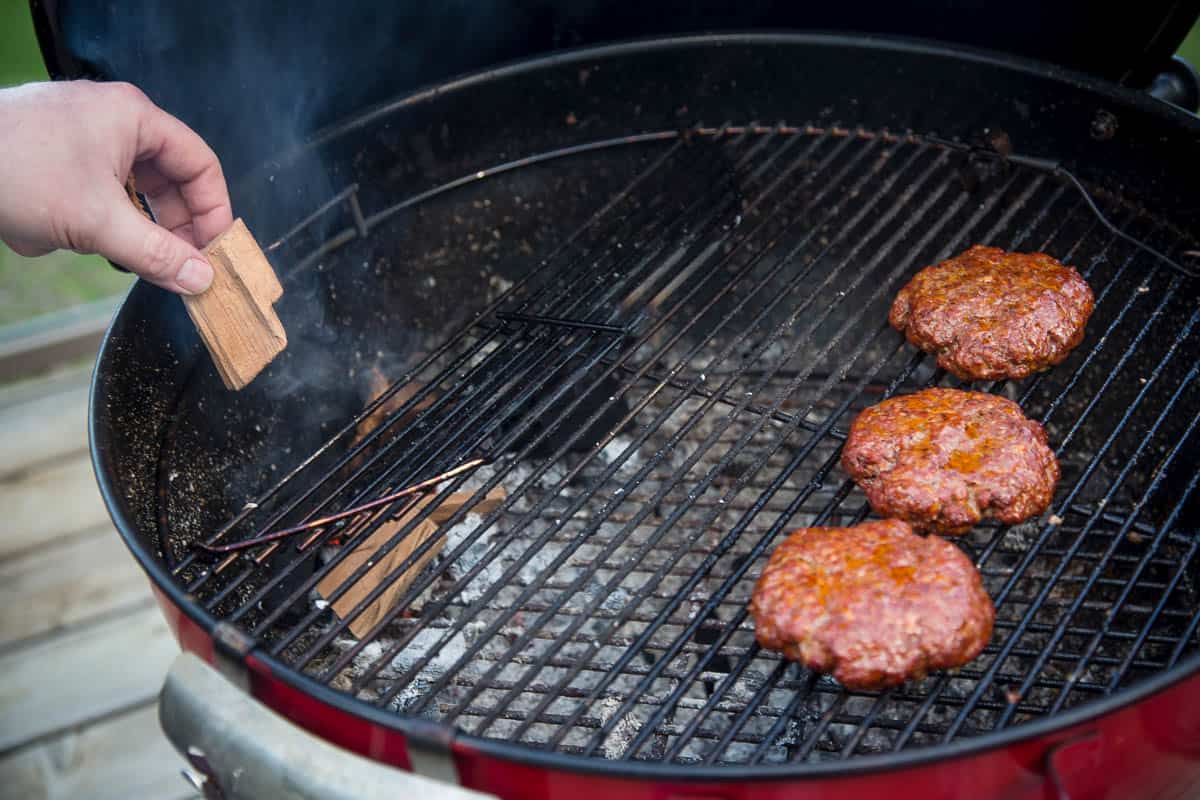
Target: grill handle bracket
x,y
247,752
231,645
1053,167
1074,767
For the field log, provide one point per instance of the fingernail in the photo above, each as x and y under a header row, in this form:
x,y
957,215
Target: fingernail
x,y
195,276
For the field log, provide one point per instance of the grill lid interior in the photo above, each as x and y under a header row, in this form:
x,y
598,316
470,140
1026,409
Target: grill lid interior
x,y
288,70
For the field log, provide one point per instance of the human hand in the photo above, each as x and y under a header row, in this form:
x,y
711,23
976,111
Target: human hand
x,y
68,149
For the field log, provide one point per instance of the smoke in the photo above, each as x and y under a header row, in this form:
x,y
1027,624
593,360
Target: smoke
x,y
253,79
257,80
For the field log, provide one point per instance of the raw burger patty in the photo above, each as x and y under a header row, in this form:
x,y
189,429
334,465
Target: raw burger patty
x,y
874,604
943,459
988,314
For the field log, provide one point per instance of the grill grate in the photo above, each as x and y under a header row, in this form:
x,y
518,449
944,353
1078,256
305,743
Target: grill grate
x,y
729,309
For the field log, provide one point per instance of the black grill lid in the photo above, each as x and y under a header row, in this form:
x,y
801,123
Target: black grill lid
x,y
254,77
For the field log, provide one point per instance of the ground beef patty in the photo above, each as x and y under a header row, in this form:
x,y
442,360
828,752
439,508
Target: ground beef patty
x,y
988,314
874,604
943,459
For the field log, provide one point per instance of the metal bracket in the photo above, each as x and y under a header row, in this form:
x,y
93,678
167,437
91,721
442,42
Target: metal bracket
x,y
231,646
203,778
1053,167
349,195
1073,766
429,752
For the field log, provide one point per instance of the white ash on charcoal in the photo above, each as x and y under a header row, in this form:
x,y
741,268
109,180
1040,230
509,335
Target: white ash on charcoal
x,y
619,739
533,569
839,735
421,645
482,354
612,452
514,473
564,613
497,285
616,600
475,479
475,553
793,734
1019,538
425,644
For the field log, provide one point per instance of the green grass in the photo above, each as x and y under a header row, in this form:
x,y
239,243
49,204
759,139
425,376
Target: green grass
x,y
1190,49
20,60
32,286
28,286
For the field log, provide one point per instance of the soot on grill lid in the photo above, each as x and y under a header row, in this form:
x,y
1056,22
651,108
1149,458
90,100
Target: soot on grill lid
x,y
291,68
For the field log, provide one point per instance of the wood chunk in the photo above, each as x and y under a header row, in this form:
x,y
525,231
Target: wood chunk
x,y
234,317
377,384
361,625
132,192
252,263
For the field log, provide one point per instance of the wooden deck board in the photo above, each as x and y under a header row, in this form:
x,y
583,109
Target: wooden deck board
x,y
40,428
83,647
68,582
120,758
84,674
48,503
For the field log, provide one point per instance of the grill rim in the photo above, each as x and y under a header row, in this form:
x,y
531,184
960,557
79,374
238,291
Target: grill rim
x,y
860,41
441,735
420,730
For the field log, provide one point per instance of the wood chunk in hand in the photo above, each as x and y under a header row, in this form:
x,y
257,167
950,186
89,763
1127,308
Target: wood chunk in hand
x,y
235,317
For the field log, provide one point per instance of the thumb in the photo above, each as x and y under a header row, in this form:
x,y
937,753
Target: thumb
x,y
152,252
